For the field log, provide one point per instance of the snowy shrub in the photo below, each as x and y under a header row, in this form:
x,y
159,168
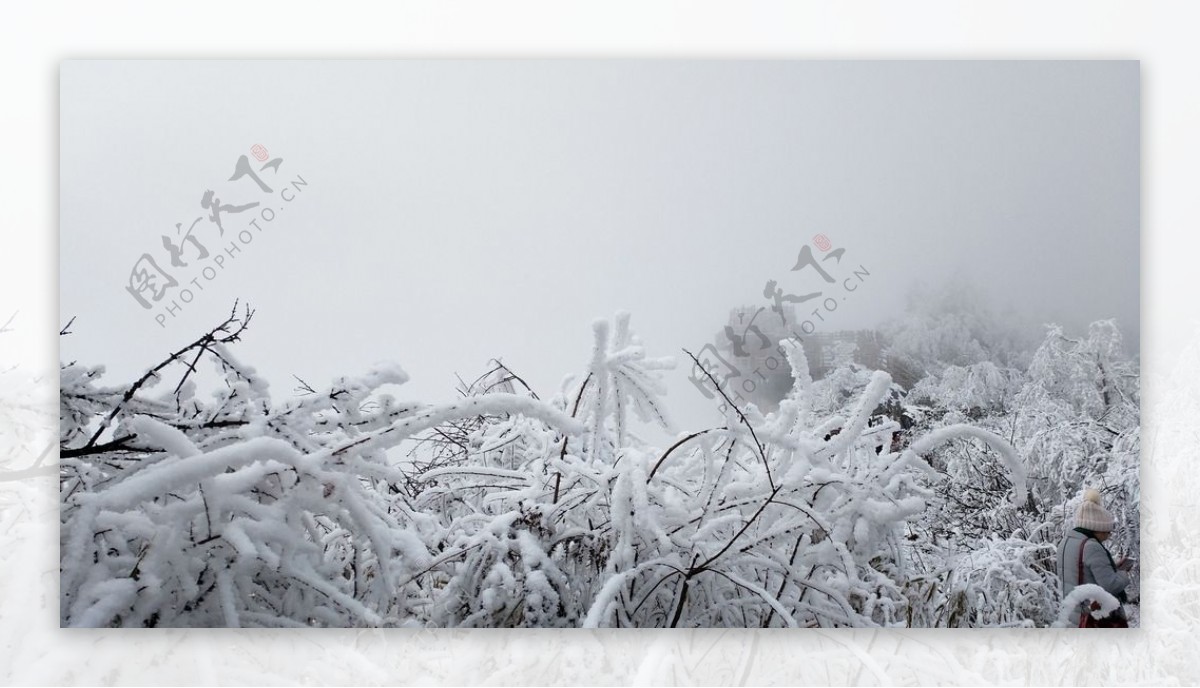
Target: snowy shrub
x,y
346,507
179,511
989,583
791,519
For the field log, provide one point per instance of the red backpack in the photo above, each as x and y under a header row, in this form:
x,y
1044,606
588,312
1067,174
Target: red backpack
x,y
1115,619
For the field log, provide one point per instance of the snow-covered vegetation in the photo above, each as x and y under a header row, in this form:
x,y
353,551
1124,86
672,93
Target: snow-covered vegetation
x,y
192,497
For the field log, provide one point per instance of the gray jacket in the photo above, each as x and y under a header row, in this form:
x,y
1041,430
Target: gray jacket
x,y
1098,566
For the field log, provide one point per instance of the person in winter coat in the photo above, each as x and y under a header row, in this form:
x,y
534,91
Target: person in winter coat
x,y
1083,558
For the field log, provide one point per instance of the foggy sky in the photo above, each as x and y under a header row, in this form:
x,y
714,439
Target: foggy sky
x,y
458,210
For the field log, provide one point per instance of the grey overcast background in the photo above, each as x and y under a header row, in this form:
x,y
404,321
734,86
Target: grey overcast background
x,y
458,210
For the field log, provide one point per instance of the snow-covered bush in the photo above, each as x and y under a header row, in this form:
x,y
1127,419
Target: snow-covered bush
x,y
792,519
180,511
989,582
346,507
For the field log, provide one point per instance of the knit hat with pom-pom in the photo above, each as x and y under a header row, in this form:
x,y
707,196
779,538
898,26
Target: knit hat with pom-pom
x,y
1091,515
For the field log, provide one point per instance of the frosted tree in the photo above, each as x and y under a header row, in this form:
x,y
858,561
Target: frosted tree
x,y
1078,416
952,325
1072,416
1080,404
